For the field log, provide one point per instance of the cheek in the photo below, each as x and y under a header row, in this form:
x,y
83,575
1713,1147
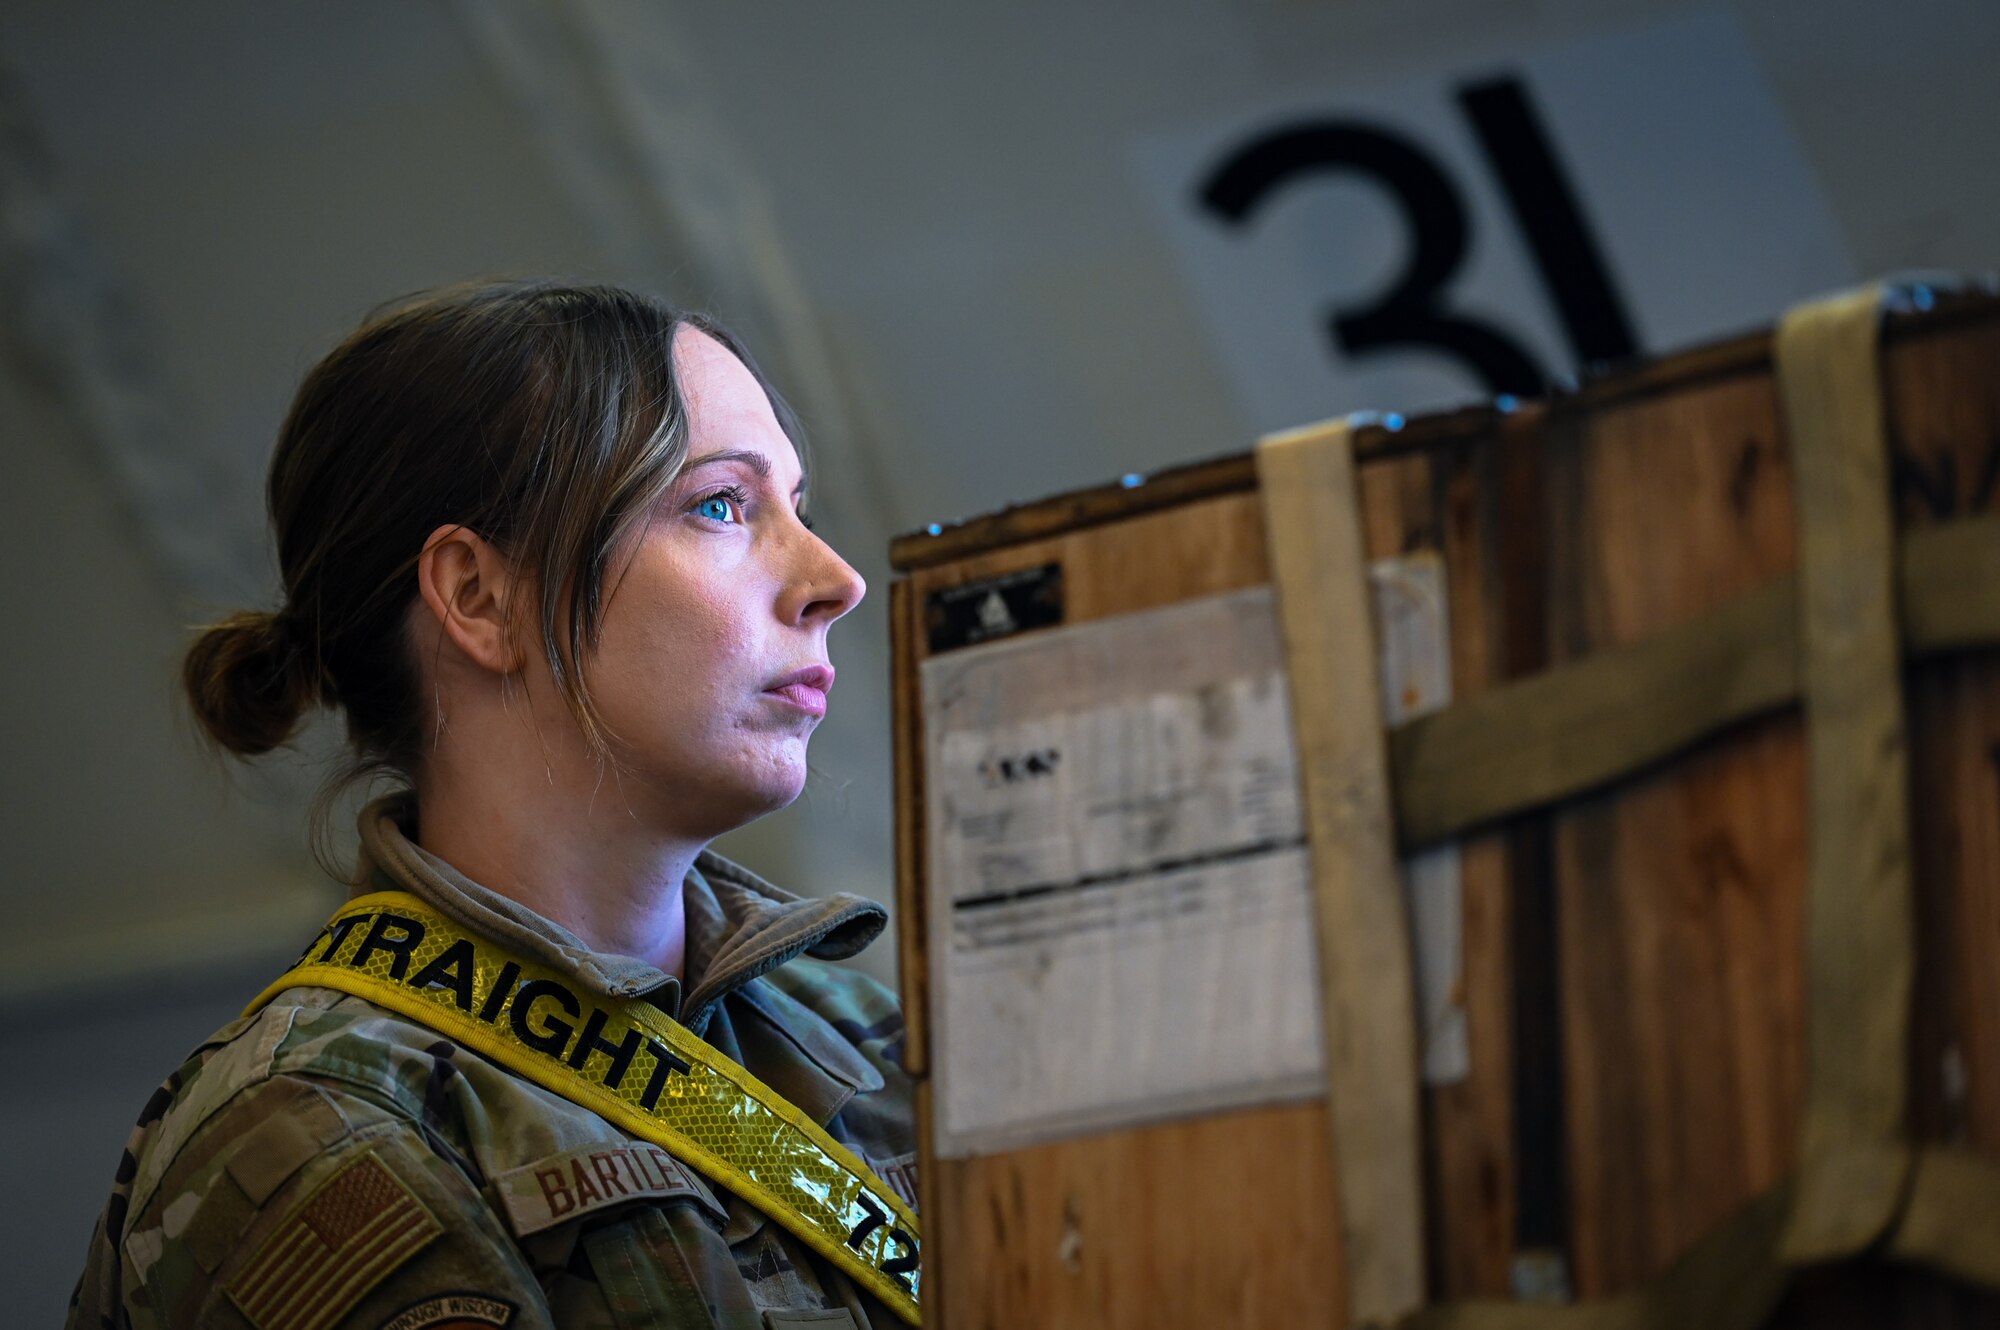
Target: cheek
x,y
691,647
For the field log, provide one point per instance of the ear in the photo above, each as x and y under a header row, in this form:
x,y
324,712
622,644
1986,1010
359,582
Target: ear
x,y
468,587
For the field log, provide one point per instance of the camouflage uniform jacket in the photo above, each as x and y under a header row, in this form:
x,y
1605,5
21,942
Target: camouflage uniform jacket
x,y
324,1163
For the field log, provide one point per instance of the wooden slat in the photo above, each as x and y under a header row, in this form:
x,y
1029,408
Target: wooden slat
x,y
931,1194
1944,400
1678,894
1539,1237
906,742
1446,498
1945,404
947,542
1214,1221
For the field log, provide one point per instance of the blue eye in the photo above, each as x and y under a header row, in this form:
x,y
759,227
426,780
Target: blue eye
x,y
721,506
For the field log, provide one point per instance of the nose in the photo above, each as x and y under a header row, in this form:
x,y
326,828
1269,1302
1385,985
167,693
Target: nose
x,y
824,587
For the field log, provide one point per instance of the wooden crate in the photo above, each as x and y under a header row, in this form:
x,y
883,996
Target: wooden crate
x,y
1631,960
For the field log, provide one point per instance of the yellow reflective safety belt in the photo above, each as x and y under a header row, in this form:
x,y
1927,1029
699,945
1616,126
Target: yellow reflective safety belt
x,y
631,1064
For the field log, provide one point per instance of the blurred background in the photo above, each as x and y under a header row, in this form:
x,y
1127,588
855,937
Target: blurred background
x,y
991,252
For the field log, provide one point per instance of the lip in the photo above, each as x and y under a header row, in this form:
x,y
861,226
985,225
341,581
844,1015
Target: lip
x,y
805,689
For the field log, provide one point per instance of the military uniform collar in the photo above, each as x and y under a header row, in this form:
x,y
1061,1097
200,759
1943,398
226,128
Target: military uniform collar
x,y
739,926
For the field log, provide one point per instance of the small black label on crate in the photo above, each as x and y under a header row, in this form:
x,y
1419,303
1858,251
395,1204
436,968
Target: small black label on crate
x,y
962,616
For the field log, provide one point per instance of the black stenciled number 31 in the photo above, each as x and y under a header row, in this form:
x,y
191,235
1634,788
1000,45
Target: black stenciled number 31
x,y
1412,312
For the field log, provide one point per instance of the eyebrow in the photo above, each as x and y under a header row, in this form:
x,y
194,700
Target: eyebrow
x,y
754,460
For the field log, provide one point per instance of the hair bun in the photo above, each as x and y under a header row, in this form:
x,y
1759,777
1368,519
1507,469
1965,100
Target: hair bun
x,y
249,682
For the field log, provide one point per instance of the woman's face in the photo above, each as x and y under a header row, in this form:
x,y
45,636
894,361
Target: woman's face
x,y
712,669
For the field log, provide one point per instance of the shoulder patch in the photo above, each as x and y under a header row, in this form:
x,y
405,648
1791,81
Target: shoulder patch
x,y
574,1183
454,1311
300,1128
358,1227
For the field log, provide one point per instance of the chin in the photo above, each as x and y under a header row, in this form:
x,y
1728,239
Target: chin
x,y
782,793
755,793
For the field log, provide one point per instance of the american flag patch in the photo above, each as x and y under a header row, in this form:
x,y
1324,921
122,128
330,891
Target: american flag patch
x,y
345,1239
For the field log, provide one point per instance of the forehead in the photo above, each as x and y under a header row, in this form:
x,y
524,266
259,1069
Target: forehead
x,y
727,408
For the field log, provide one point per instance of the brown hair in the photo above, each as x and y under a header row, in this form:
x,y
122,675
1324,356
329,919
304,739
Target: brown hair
x,y
545,416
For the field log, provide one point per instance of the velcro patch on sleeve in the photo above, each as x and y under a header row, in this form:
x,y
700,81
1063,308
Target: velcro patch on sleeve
x,y
572,1184
357,1228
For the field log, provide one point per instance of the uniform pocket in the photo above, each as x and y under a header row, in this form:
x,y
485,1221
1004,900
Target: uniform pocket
x,y
666,1268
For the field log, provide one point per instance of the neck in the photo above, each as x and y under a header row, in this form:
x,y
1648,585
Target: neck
x,y
572,851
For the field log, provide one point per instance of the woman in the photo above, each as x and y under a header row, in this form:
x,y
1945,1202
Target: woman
x,y
543,546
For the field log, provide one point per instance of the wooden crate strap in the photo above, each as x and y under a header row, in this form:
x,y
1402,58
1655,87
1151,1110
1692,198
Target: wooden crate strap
x,y
1367,994
1581,726
1860,933
1951,1220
